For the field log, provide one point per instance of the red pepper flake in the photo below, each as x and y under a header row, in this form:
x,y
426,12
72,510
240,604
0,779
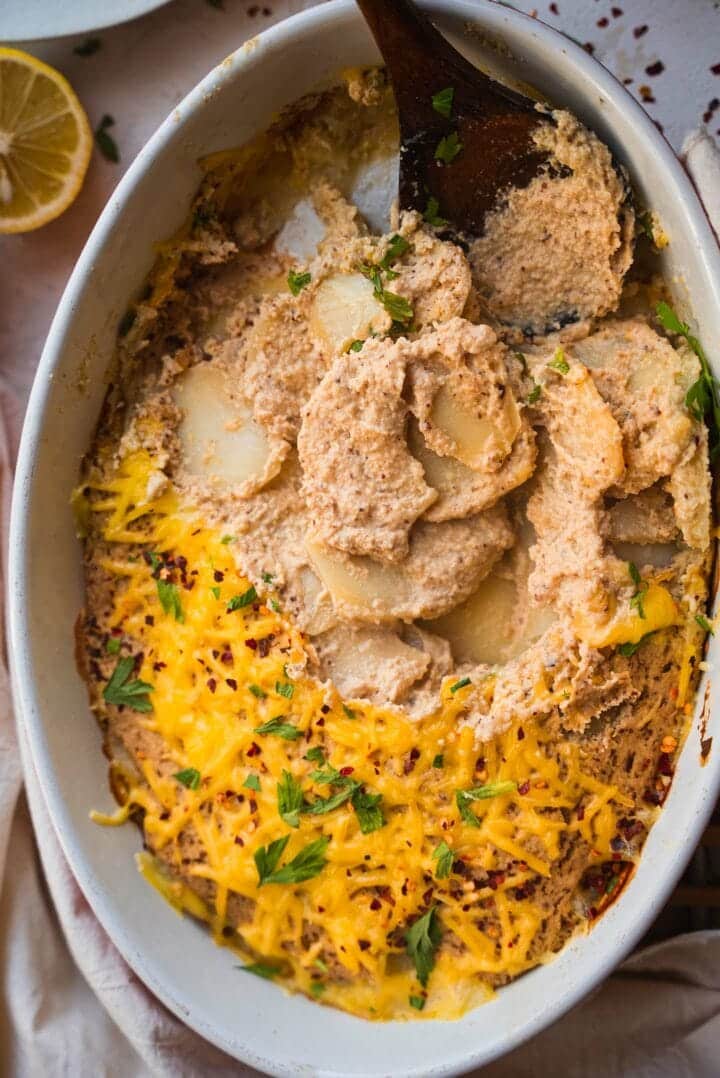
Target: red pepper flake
x,y
364,945
232,683
655,69
212,684
589,47
581,812
346,770
520,734
524,787
616,12
705,746
320,721
427,896
646,94
639,31
218,577
715,69
376,904
251,643
254,750
238,841
628,82
264,646
149,619
603,22
325,709
554,9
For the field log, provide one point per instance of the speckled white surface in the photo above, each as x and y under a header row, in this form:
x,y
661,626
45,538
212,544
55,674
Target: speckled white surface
x,y
146,66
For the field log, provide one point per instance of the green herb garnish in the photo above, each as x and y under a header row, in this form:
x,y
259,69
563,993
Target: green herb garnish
x,y
397,247
396,306
442,101
290,799
448,148
306,864
284,688
418,1002
298,281
701,399
279,728
461,684
257,691
432,214
558,362
350,714
246,599
535,394
252,782
356,346
464,798
422,940
189,777
629,649
113,645
439,760
106,144
315,755
641,586
261,969
215,591
124,692
323,805
228,539
444,857
368,811
704,624
169,597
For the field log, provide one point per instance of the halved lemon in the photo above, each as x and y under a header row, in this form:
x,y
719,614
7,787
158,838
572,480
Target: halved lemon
x,y
45,142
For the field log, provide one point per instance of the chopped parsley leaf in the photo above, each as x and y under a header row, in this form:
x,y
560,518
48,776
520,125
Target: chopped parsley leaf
x,y
442,101
317,988
123,692
356,346
448,148
275,605
701,399
284,688
397,247
444,857
105,143
464,798
439,760
298,281
368,811
704,624
290,799
113,645
261,969
169,597
215,590
315,755
189,777
399,309
422,940
324,805
535,394
228,539
267,578
627,649
418,1002
306,864
461,684
641,586
257,691
432,214
558,362
322,966
252,782
276,726
349,712
246,599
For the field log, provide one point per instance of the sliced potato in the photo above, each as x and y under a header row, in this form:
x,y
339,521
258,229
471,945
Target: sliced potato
x,y
659,555
302,232
475,437
345,309
369,662
219,437
494,625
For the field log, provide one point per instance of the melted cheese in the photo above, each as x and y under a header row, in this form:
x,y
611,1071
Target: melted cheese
x,y
352,915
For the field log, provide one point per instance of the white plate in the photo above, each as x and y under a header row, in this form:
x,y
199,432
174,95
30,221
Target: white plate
x,y
35,20
251,1019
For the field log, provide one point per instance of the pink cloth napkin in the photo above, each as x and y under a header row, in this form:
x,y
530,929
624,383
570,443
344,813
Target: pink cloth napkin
x,y
70,1005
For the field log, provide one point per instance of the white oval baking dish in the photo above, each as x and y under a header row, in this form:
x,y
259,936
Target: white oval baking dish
x,y
253,1020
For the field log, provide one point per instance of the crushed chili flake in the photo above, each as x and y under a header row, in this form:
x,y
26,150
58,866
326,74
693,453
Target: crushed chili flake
x,y
520,733
554,9
603,22
715,69
212,684
232,683
254,750
589,47
376,904
656,68
346,770
616,12
251,643
640,30
524,787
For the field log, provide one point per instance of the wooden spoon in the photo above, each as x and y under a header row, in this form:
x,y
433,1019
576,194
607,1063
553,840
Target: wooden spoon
x,y
493,125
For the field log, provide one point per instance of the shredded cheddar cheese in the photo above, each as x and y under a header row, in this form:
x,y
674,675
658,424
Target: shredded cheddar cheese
x,y
223,669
